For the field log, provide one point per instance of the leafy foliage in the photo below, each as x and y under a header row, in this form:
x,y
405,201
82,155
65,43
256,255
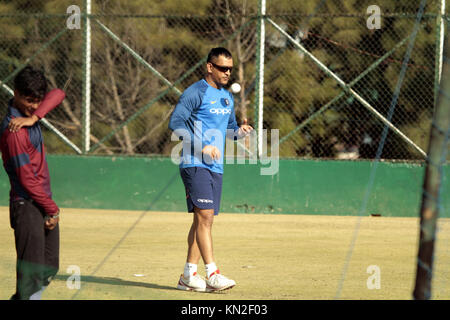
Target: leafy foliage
x,y
130,104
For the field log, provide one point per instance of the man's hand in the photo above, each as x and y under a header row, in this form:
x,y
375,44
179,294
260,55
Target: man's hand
x,y
51,221
245,129
17,123
212,152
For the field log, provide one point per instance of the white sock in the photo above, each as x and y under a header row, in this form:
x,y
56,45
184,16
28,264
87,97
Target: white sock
x,y
189,269
37,295
210,268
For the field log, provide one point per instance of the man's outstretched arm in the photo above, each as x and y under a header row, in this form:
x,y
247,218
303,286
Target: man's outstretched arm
x,y
51,100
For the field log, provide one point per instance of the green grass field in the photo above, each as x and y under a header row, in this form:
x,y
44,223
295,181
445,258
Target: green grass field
x,y
140,255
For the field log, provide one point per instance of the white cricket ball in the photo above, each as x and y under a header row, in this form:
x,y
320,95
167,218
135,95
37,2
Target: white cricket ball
x,y
235,87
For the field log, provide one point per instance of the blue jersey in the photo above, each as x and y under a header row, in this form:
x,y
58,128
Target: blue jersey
x,y
201,117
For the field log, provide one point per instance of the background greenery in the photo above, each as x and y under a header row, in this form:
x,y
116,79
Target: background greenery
x,y
174,36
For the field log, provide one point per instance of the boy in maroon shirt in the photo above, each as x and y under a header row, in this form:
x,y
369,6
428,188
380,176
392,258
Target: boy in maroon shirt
x,y
34,216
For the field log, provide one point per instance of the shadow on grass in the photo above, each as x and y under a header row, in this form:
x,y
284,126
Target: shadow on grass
x,y
114,281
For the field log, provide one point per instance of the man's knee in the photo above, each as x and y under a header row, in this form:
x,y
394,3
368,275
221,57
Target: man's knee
x,y
204,217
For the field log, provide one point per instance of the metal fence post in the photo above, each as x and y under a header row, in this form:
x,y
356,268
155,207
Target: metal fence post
x,y
440,27
86,105
259,104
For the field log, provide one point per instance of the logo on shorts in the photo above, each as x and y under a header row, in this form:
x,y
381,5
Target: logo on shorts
x,y
204,200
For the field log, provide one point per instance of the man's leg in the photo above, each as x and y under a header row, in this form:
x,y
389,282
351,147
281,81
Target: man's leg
x,y
28,225
51,254
203,189
193,255
200,237
199,246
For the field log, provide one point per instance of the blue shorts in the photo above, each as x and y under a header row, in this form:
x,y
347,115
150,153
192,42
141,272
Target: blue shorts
x,y
203,188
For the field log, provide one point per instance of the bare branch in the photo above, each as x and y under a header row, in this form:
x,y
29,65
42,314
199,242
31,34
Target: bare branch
x,y
117,101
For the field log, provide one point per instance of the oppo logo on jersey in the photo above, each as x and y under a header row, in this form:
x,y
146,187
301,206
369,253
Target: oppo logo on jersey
x,y
220,111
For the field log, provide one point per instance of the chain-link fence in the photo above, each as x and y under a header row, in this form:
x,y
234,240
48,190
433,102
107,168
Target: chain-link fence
x,y
331,70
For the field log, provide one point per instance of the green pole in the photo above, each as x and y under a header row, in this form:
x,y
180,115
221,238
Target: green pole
x,y
137,56
171,86
30,59
347,88
342,94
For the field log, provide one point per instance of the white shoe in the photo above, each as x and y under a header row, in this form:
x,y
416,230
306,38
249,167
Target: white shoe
x,y
192,283
218,282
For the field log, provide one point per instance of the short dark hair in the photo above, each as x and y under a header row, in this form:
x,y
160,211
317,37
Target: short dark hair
x,y
216,52
31,82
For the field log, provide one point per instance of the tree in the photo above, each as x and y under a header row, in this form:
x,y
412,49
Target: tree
x,y
174,38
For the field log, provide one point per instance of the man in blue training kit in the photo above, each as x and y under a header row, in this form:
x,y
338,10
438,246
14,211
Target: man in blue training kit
x,y
203,117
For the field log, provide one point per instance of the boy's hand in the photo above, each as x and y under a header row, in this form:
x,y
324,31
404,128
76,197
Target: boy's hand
x,y
51,221
17,123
